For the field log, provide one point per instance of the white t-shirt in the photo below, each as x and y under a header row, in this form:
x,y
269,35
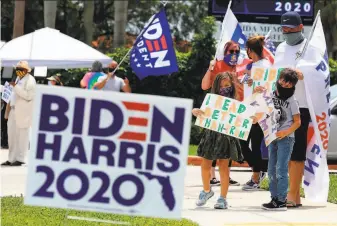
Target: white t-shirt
x,y
19,82
113,84
287,56
262,63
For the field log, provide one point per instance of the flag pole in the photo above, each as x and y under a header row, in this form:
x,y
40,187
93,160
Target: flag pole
x,y
141,33
267,35
305,47
222,31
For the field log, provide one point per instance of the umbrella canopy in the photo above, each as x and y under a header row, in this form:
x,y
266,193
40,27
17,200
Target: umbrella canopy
x,y
50,48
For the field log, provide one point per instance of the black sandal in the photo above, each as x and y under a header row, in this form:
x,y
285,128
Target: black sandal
x,y
7,163
291,204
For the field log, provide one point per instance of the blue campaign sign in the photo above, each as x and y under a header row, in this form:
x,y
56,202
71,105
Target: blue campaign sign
x,y
153,52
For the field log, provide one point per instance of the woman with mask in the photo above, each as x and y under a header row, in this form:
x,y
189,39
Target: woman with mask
x,y
228,64
254,48
55,80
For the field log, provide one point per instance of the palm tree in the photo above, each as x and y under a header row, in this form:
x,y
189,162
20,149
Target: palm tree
x,y
19,18
121,13
88,17
49,9
329,20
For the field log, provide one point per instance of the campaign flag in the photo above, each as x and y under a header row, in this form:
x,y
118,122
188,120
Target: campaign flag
x,y
315,68
124,155
231,30
153,52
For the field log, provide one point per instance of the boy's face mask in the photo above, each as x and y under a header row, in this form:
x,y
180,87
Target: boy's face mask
x,y
284,93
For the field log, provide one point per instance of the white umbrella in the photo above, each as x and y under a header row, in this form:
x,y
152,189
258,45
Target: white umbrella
x,y
50,48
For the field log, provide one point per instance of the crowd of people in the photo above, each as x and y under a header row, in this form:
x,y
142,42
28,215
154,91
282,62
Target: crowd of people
x,y
17,113
289,150
287,153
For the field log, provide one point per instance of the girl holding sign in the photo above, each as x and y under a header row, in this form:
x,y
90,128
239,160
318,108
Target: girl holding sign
x,y
254,48
228,64
217,146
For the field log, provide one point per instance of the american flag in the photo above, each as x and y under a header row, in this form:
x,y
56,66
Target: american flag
x,y
269,50
270,45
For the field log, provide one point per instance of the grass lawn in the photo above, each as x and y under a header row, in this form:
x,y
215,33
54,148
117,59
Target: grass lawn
x,y
193,150
14,213
332,188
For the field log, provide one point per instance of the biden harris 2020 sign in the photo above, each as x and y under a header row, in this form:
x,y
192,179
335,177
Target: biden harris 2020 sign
x,y
108,152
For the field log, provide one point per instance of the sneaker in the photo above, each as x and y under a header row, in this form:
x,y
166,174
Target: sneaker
x,y
204,197
275,205
262,176
221,203
233,182
215,182
251,186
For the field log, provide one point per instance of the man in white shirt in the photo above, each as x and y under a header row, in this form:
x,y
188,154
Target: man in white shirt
x,y
287,55
20,115
110,82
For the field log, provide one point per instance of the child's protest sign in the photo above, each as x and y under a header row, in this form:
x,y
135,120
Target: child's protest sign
x,y
265,113
265,77
226,115
7,92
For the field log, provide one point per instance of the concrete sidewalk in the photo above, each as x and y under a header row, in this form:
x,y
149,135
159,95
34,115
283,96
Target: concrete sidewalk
x,y
244,206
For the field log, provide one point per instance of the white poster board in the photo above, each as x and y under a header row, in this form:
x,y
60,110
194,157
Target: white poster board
x,y
124,155
40,72
226,115
6,92
265,113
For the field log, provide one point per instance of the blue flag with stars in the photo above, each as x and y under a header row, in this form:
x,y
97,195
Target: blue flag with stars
x,y
153,52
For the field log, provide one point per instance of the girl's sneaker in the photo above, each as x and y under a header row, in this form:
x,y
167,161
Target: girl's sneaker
x,y
204,197
221,203
215,182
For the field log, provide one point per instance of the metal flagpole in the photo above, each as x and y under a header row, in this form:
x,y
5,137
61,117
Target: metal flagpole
x,y
267,35
141,33
222,30
305,47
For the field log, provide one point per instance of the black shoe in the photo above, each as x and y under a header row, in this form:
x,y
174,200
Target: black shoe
x,y
4,146
214,182
275,205
7,163
17,163
233,182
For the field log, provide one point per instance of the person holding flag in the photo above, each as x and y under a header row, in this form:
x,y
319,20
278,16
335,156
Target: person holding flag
x,y
287,55
228,64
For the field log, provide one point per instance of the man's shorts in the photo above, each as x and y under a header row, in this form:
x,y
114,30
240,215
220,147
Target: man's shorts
x,y
300,146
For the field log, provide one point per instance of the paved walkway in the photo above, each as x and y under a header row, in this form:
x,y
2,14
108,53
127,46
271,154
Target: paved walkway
x,y
244,206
